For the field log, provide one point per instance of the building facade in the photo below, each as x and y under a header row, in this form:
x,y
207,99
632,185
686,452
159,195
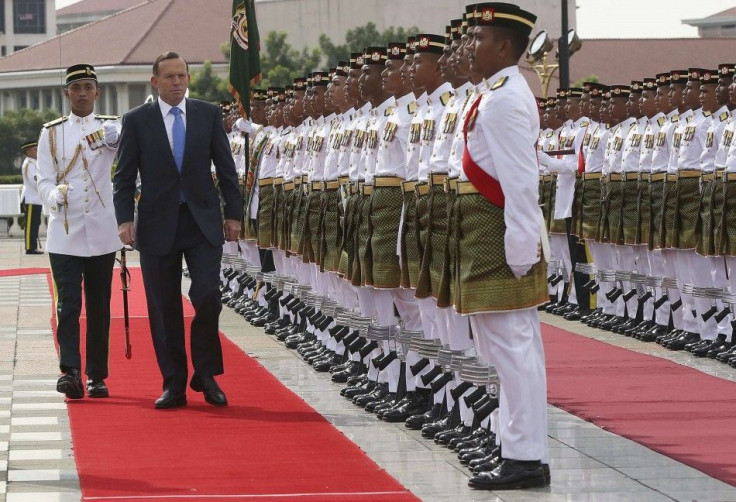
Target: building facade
x,y
24,23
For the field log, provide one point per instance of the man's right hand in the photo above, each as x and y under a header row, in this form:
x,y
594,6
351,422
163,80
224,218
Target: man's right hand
x,y
126,232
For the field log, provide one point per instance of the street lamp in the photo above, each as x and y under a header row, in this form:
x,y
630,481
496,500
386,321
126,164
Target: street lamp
x,y
538,56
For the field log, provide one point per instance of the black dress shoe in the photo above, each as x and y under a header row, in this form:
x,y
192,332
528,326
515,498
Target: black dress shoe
x,y
97,388
171,399
34,251
511,475
70,384
208,386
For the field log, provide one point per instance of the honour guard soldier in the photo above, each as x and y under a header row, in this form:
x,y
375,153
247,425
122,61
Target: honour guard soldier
x,y
499,227
75,156
30,201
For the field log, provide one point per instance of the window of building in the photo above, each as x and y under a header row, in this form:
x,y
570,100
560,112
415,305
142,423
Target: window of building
x,y
48,101
35,100
112,93
19,47
2,18
136,94
4,51
22,99
29,16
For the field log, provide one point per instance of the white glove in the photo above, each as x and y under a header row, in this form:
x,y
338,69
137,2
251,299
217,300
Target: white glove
x,y
243,125
111,133
62,193
520,271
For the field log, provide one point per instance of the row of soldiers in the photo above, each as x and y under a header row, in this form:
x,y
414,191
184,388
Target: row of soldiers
x,y
642,175
397,196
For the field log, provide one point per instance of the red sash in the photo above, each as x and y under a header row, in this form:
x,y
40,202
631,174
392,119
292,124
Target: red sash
x,y
488,186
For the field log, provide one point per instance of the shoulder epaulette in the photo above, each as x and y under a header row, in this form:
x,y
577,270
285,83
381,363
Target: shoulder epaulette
x,y
388,111
584,123
633,124
412,108
499,83
723,116
107,117
445,98
660,121
675,118
550,134
707,113
689,119
54,122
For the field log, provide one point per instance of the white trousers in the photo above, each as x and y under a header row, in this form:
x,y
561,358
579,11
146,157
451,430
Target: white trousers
x,y
512,342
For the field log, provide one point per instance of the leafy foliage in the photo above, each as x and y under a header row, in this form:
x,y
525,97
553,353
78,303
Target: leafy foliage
x,y
17,128
360,37
207,86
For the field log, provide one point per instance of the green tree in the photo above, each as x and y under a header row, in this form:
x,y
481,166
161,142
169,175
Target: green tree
x,y
281,63
360,37
17,128
589,78
207,86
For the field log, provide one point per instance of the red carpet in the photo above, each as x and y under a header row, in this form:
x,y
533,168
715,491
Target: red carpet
x,y
23,271
267,445
672,409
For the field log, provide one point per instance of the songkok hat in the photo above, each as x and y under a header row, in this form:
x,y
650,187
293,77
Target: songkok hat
x,y
320,78
375,55
80,72
505,15
637,86
411,43
663,79
695,73
456,29
26,146
650,84
342,69
620,91
356,60
396,51
597,89
678,76
300,84
709,77
434,44
575,92
726,69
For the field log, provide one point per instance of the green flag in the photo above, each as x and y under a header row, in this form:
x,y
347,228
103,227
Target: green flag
x,y
245,45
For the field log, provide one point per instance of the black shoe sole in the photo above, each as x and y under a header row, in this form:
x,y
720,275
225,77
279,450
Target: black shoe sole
x,y
69,390
176,404
98,394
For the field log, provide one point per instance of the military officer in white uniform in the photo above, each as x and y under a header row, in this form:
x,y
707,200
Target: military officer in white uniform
x,y
75,156
29,199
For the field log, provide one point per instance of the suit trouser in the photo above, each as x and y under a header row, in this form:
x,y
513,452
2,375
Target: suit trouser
x,y
70,273
33,221
162,281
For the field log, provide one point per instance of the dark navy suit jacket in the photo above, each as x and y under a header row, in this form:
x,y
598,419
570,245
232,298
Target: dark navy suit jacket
x,y
144,148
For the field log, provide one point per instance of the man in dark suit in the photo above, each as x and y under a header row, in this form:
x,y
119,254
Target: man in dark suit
x,y
171,143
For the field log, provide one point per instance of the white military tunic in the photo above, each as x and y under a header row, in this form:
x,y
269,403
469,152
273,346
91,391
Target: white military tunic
x,y
93,229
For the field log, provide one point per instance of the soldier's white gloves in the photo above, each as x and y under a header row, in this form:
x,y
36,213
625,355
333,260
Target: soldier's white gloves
x,y
111,133
520,270
243,125
62,194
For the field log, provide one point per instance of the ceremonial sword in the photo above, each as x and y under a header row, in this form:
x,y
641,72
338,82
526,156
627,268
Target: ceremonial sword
x,y
125,282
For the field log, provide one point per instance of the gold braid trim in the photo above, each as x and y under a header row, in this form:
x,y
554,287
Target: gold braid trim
x,y
61,175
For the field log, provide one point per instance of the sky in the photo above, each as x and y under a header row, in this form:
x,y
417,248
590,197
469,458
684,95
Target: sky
x,y
628,18
643,18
